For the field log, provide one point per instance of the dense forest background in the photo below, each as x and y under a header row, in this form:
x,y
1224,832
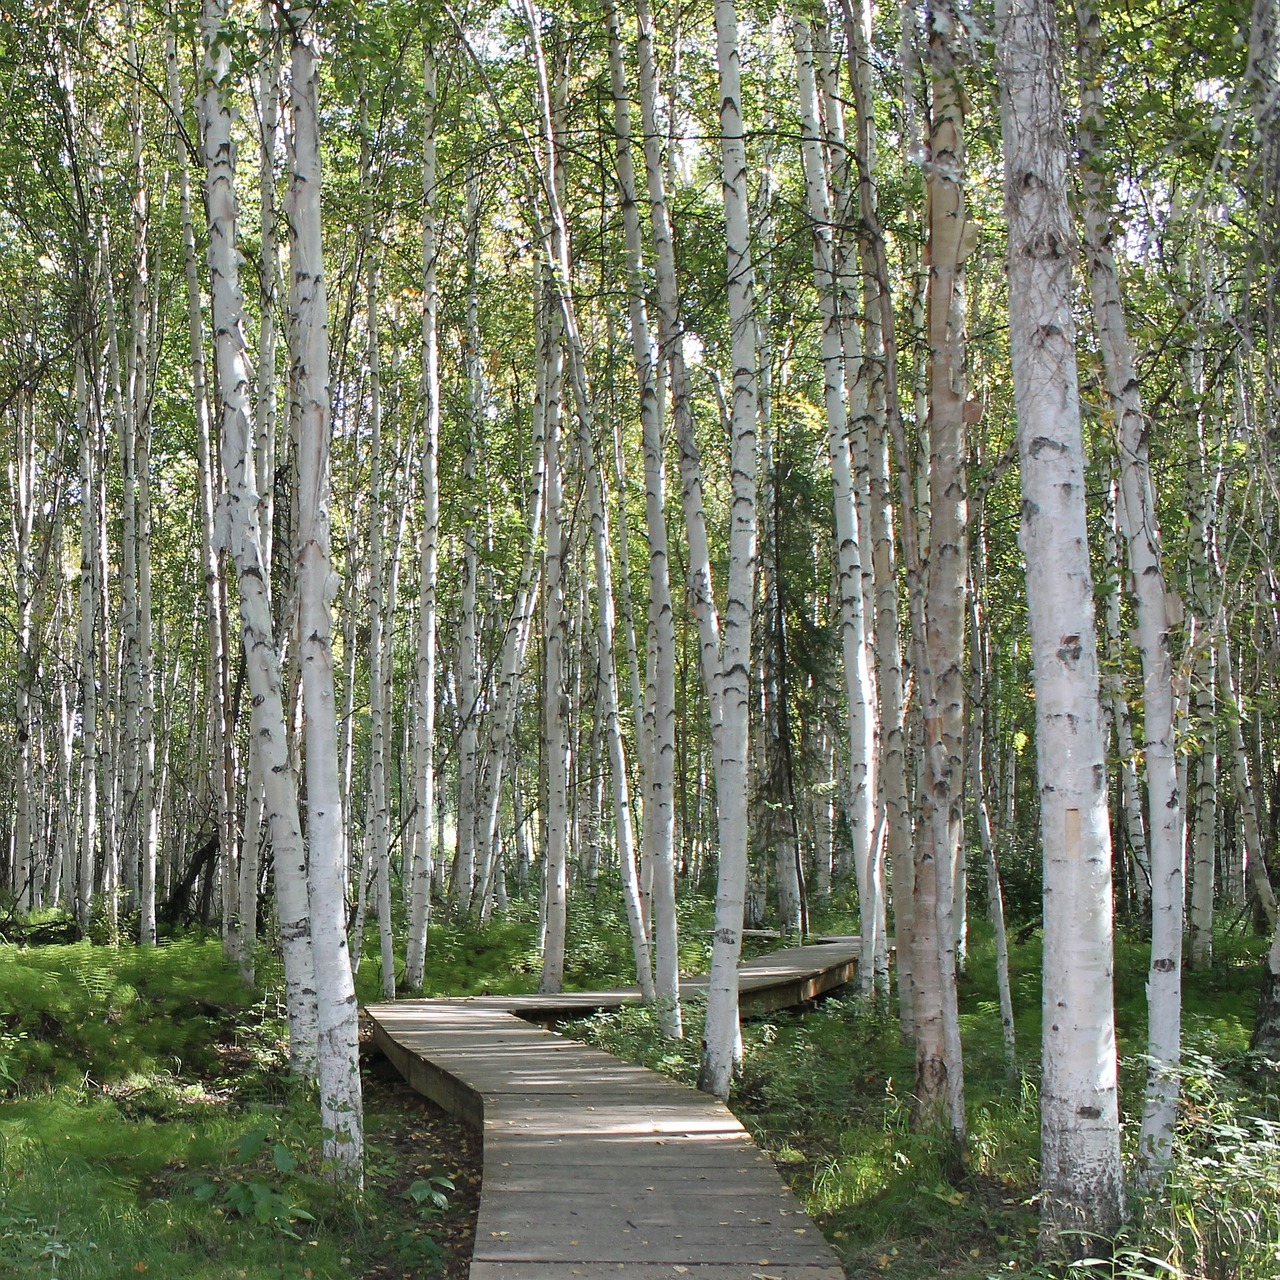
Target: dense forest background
x,y
626,413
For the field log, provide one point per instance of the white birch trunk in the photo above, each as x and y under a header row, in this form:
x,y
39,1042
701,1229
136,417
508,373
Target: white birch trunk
x,y
849,535
139,419
468,651
1117,703
1155,612
86,645
515,642
1081,1182
1250,828
698,584
939,1088
722,1044
874,381
238,927
338,1064
239,532
979,665
555,637
422,862
556,244
659,808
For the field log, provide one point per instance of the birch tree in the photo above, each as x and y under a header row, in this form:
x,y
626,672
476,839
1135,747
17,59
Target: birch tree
x,y
939,1062
1156,610
1081,1183
240,533
422,860
660,711
721,1047
338,1064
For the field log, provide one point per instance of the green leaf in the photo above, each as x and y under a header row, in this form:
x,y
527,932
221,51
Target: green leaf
x,y
249,1144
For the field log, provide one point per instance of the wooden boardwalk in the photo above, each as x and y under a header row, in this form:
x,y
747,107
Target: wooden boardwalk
x,y
594,1168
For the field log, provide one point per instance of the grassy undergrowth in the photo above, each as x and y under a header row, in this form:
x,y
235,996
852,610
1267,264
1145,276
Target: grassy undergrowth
x,y
828,1093
147,1124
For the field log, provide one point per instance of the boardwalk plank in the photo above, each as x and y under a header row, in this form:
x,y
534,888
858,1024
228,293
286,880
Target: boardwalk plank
x,y
594,1168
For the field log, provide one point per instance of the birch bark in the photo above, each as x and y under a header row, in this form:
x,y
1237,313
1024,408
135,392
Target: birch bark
x,y
555,642
238,925
939,1063
722,1045
239,531
422,868
849,534
556,245
660,714
1081,1179
338,1064
1155,611
873,363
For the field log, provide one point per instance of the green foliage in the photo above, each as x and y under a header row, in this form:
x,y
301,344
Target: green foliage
x,y
268,1195
169,1162
429,1195
1218,1215
828,1093
83,1010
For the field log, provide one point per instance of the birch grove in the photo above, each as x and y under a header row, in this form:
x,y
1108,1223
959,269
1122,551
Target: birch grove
x,y
538,468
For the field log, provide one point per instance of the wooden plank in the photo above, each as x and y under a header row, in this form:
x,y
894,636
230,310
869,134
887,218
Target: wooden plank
x,y
501,1269
594,1167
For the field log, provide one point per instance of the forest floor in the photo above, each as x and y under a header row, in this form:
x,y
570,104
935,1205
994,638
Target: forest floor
x,y
148,1123
415,1138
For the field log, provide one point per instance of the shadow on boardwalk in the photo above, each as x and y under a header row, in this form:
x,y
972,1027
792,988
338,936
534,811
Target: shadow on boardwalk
x,y
594,1168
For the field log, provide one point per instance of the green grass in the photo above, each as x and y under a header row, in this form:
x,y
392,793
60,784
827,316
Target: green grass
x,y
147,1123
828,1093
148,1126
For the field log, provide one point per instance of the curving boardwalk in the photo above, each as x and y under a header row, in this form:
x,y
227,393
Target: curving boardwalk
x,y
594,1168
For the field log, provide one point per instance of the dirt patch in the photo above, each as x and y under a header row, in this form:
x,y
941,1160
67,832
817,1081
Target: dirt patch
x,y
411,1141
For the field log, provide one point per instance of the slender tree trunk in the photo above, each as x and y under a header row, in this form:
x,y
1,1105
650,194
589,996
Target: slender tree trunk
x,y
721,1049
849,534
1246,796
1117,702
139,416
86,644
980,693
423,859
338,1064
238,926
660,711
875,382
1082,1189
468,640
502,716
239,531
939,1064
1154,609
699,590
555,711
557,247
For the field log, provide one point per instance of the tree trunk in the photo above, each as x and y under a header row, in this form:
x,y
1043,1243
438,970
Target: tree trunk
x,y
239,531
556,245
849,535
1080,1126
338,1064
722,1043
555,710
939,1065
1155,611
422,861
660,711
